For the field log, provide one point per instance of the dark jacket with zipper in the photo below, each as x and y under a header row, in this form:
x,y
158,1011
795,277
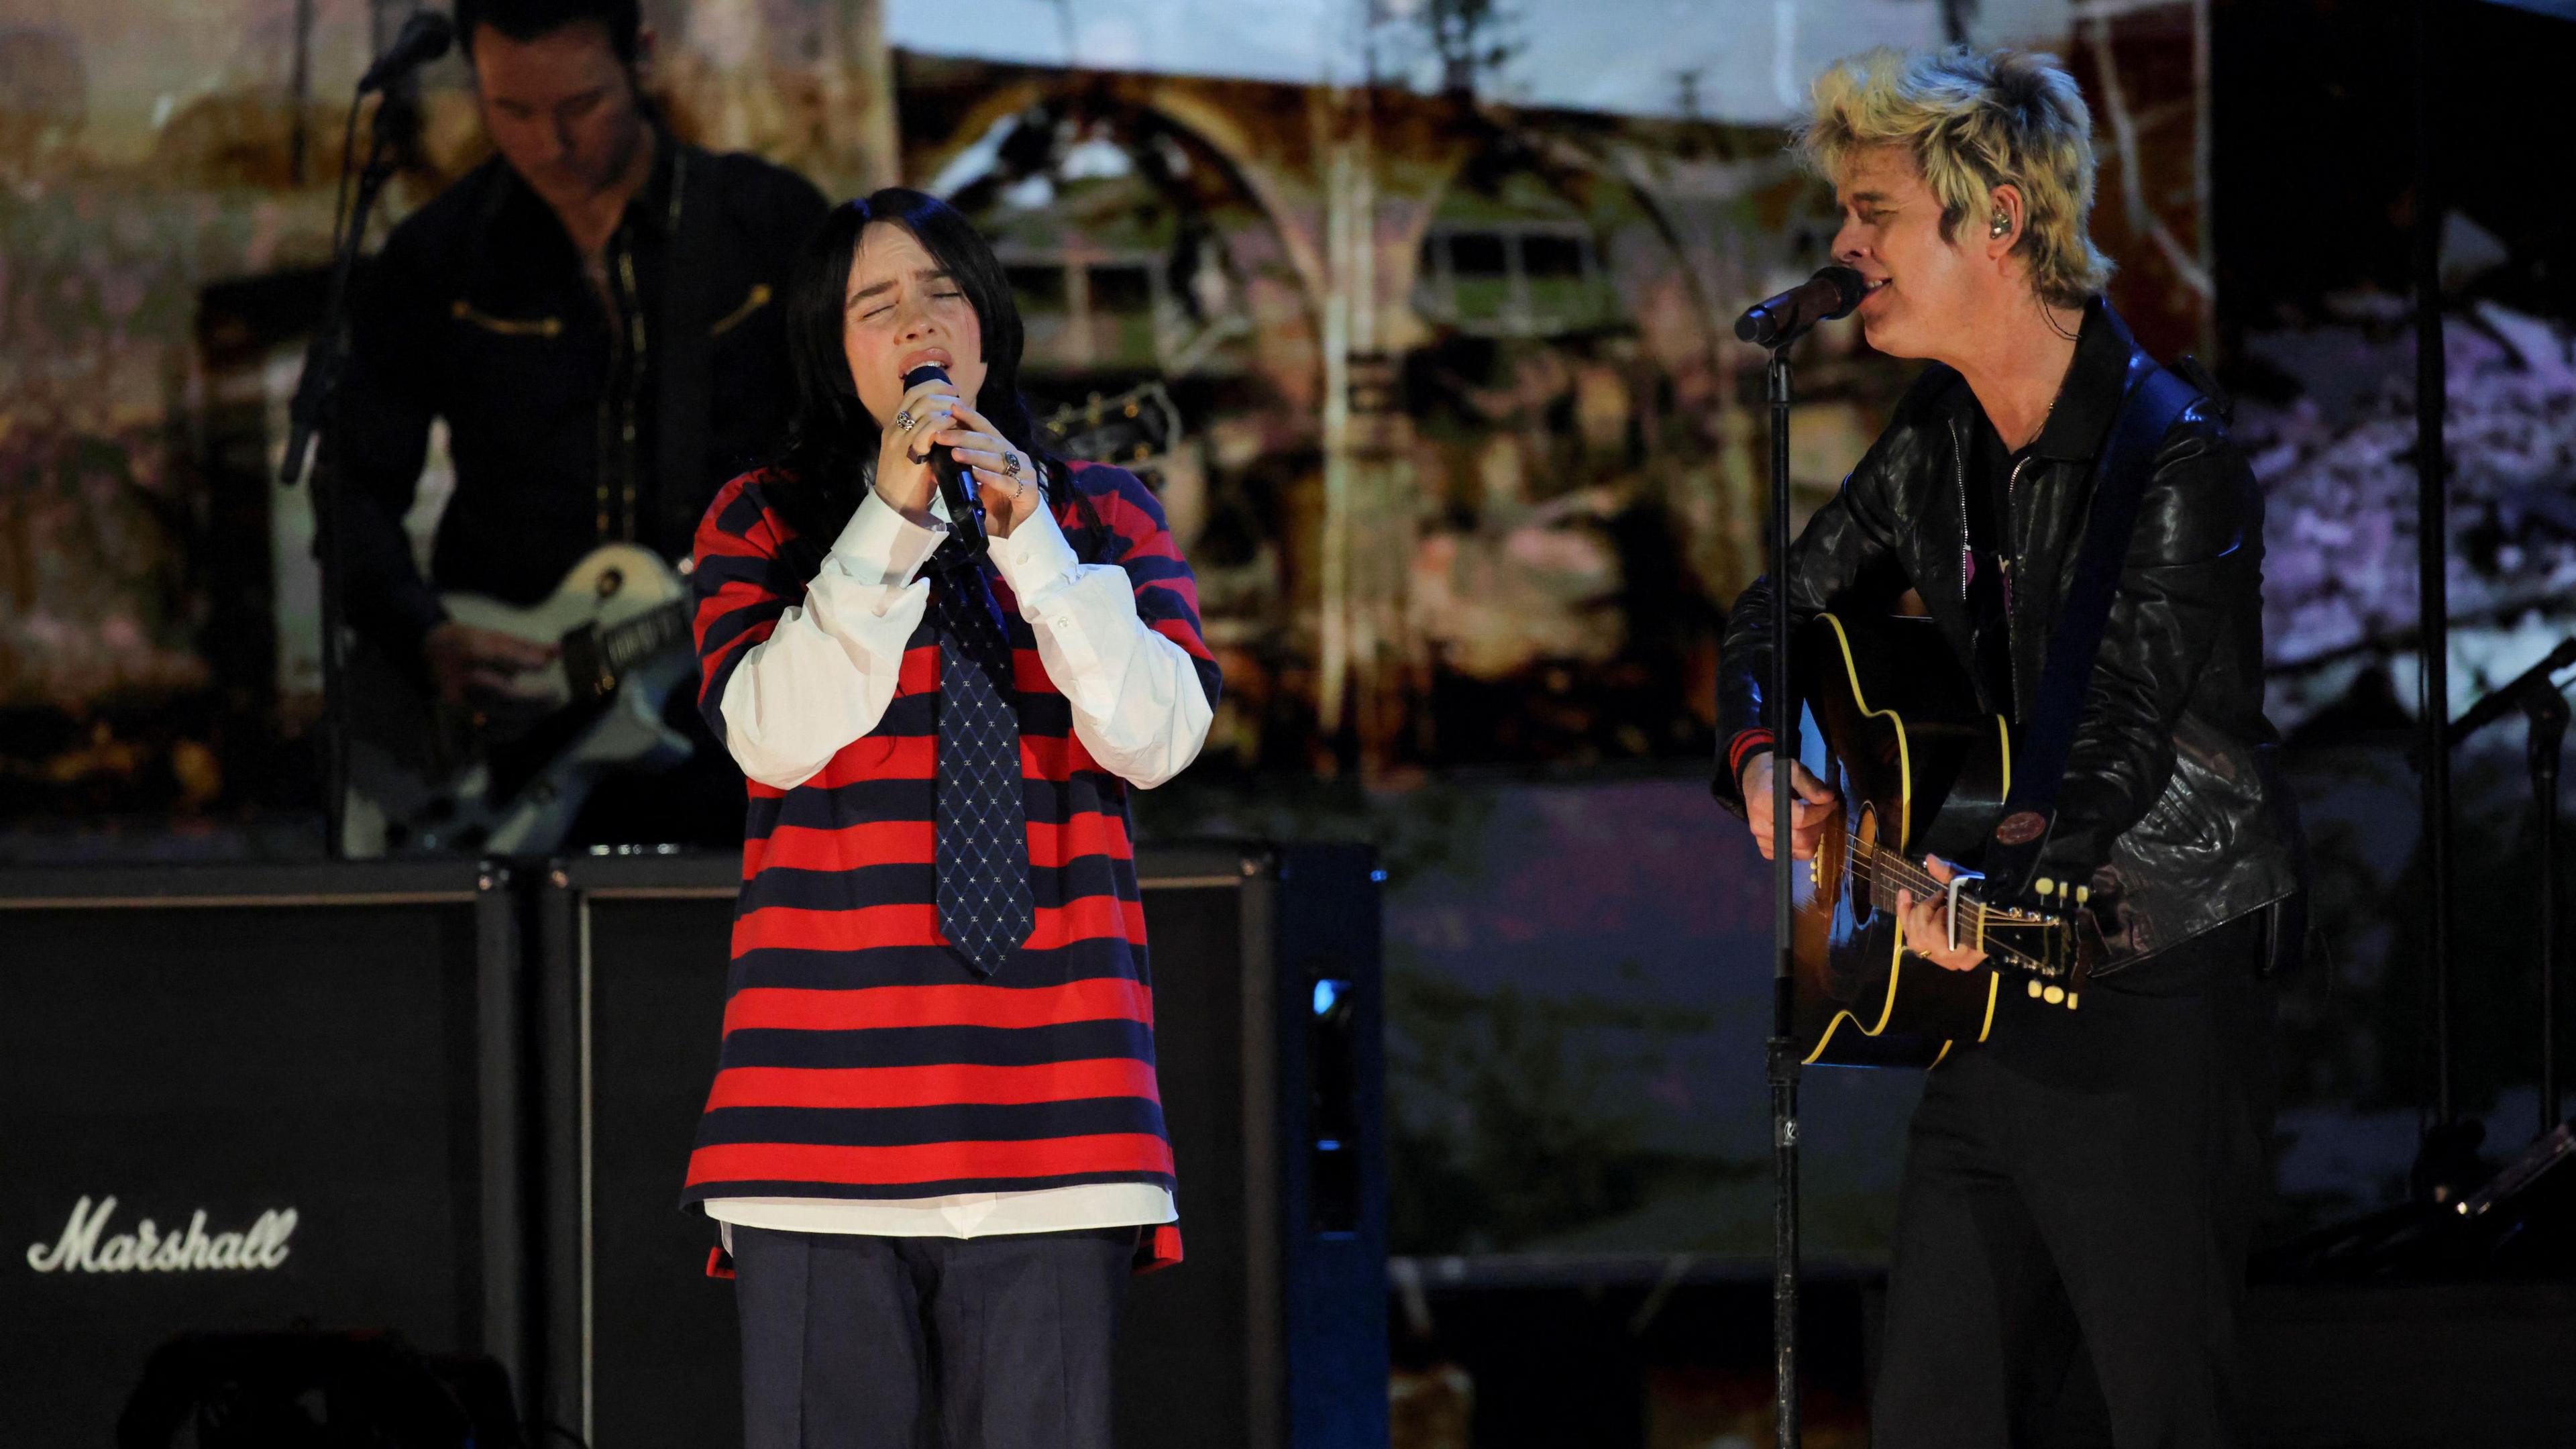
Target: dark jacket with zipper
x,y
2172,806
571,422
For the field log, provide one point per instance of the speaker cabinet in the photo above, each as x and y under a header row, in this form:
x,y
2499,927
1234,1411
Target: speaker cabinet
x,y
1268,1033
245,1099
642,1348
1272,1334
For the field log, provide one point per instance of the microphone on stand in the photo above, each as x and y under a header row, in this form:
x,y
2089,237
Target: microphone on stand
x,y
1784,319
965,512
424,38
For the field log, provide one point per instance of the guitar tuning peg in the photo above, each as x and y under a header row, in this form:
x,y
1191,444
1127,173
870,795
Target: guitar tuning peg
x,y
2055,995
2070,1001
2083,894
2046,887
2035,987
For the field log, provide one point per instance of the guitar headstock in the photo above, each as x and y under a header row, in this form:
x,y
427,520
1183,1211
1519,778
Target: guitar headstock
x,y
1133,430
2043,944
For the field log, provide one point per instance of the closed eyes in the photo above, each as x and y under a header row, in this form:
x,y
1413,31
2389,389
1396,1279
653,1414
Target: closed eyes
x,y
884,308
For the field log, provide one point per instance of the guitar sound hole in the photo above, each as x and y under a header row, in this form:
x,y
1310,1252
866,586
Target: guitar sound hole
x,y
610,581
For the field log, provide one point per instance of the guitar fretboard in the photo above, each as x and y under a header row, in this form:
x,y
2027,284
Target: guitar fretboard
x,y
643,636
1889,872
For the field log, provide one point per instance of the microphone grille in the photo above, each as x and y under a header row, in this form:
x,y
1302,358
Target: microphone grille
x,y
1849,288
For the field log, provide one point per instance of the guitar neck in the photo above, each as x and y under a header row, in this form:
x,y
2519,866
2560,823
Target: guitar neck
x,y
1979,922
642,636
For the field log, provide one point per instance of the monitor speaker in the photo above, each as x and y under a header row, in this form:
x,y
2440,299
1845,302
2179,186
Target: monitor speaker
x,y
1272,1333
249,1100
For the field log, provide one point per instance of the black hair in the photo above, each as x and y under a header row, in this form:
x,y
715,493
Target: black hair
x,y
525,20
831,436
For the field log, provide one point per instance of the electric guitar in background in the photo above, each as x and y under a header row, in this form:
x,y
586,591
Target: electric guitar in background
x,y
1888,726
508,777
1133,430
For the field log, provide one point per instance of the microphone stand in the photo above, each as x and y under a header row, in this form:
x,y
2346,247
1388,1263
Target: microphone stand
x,y
1775,324
2537,694
1781,1058
313,419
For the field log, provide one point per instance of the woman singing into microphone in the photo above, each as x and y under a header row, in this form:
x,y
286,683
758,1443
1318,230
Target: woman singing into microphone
x,y
935,1142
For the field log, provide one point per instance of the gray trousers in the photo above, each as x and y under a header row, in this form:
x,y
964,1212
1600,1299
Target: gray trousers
x,y
855,1342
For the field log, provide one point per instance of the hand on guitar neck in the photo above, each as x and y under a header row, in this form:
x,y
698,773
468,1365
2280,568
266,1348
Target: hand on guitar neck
x,y
1927,918
1927,924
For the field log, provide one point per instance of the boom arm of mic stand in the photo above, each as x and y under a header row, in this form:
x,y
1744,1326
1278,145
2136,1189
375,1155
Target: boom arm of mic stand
x,y
318,385
2503,700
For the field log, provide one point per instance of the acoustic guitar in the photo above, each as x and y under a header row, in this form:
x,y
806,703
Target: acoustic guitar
x,y
1889,725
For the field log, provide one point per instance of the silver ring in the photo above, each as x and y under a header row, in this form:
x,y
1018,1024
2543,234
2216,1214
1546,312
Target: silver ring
x,y
1010,464
903,420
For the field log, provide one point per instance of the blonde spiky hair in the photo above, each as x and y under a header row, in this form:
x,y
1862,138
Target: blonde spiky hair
x,y
1973,121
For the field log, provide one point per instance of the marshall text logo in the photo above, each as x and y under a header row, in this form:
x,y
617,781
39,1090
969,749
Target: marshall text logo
x,y
145,1250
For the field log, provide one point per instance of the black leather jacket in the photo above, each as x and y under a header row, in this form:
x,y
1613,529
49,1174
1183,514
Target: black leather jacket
x,y
2173,805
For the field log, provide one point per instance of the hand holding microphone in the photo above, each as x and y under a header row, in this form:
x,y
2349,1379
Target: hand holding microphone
x,y
906,456
936,441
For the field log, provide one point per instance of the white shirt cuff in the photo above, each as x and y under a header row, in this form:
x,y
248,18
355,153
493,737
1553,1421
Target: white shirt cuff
x,y
879,546
1035,560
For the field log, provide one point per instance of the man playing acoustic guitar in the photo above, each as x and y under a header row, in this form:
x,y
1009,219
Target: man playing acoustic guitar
x,y
2079,1191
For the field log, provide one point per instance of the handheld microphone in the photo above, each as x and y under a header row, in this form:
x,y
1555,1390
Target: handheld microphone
x,y
965,513
1784,319
424,38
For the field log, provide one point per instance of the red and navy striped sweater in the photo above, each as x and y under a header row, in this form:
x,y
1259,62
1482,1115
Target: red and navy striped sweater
x,y
861,1057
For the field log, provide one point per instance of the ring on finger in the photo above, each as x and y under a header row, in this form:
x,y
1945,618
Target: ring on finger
x,y
903,421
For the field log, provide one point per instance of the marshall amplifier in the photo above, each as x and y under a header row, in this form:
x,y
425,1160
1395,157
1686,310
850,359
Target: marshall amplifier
x,y
248,1100
1271,1335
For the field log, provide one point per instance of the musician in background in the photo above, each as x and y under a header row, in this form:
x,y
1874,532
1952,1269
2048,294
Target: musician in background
x,y
2078,1193
593,311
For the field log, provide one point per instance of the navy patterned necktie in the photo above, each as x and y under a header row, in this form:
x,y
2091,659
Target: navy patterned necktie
x,y
981,862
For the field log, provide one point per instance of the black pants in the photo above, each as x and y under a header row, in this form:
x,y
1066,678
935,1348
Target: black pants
x,y
853,1342
2075,1211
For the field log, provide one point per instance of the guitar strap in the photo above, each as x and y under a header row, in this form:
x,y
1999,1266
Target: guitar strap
x,y
684,389
2154,403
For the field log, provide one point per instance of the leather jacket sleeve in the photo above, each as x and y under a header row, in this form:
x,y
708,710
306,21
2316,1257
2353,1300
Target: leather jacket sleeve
x,y
2193,566
1847,552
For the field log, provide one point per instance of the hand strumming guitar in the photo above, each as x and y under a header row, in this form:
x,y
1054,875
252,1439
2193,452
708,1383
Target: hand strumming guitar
x,y
1808,811
478,666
